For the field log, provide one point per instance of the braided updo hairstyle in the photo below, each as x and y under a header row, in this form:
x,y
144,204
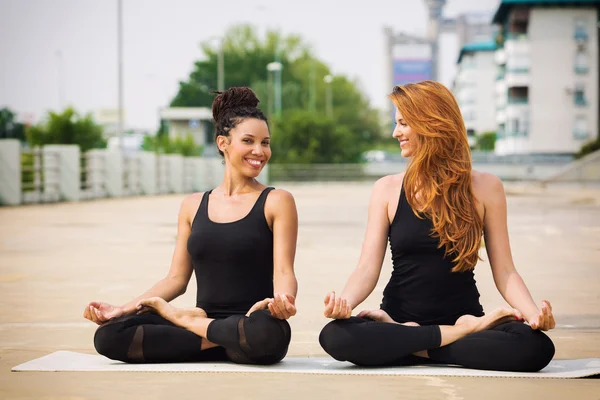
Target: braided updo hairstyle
x,y
232,107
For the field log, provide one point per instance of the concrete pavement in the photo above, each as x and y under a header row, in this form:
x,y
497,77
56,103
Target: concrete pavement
x,y
55,258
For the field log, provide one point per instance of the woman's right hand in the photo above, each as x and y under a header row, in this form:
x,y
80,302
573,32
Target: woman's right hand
x,y
337,307
99,312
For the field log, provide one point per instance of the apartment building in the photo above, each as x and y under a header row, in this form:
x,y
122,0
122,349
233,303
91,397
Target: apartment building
x,y
547,76
474,88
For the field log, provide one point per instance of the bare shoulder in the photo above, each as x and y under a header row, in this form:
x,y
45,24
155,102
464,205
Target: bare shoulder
x,y
281,195
389,183
487,187
190,204
280,200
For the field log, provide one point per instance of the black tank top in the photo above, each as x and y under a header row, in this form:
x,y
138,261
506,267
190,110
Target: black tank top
x,y
233,261
422,288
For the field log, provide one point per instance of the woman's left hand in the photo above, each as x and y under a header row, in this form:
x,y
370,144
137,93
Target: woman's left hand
x,y
544,320
283,306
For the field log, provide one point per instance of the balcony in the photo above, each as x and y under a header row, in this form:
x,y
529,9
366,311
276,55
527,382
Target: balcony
x,y
516,45
517,76
512,101
518,95
501,116
515,36
501,102
500,88
500,56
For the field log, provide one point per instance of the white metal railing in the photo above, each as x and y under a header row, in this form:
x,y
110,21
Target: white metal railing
x,y
131,176
162,173
93,175
40,176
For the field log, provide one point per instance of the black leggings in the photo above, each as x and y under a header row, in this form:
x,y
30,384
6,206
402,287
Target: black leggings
x,y
149,338
512,346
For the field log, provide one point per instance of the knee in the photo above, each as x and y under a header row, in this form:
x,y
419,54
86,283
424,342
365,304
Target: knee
x,y
267,337
535,354
335,340
107,341
540,353
114,340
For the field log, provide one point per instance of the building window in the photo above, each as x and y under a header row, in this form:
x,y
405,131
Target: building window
x,y
581,34
501,131
515,127
579,95
524,124
501,72
581,62
518,95
516,24
580,129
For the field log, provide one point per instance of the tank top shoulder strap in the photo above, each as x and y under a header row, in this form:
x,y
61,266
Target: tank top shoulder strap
x,y
401,200
202,213
262,199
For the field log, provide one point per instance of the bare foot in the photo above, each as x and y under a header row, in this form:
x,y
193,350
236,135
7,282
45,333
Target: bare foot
x,y
170,313
477,324
410,324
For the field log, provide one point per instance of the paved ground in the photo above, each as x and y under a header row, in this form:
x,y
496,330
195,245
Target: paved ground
x,y
56,258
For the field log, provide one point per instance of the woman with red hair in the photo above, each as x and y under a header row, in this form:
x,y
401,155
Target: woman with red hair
x,y
435,214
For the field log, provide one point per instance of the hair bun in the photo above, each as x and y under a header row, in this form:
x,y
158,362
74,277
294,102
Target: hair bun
x,y
232,98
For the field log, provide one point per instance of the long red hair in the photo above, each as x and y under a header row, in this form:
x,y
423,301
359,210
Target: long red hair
x,y
437,181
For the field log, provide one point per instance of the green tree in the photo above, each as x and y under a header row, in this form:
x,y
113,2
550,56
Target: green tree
x,y
246,57
486,141
303,89
67,127
588,148
163,144
303,137
9,127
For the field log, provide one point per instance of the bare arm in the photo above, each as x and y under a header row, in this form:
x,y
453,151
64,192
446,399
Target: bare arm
x,y
168,288
285,235
508,281
363,279
175,283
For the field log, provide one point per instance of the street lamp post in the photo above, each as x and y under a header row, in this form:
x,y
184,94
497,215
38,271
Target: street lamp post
x,y
312,94
221,67
276,68
329,95
220,63
120,73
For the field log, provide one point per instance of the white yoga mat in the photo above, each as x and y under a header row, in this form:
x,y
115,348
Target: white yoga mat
x,y
71,361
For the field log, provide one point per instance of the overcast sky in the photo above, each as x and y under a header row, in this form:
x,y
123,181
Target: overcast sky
x,y
161,42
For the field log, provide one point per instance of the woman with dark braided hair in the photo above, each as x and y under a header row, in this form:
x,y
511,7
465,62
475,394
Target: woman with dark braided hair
x,y
434,216
240,240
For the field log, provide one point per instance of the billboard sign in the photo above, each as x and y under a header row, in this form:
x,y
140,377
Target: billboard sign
x,y
411,70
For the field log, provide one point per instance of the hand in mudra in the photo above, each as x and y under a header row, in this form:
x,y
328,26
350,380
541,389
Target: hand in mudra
x,y
280,306
544,320
336,307
100,312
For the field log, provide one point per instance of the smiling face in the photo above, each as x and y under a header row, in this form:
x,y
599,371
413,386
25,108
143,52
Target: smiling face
x,y
247,148
405,135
